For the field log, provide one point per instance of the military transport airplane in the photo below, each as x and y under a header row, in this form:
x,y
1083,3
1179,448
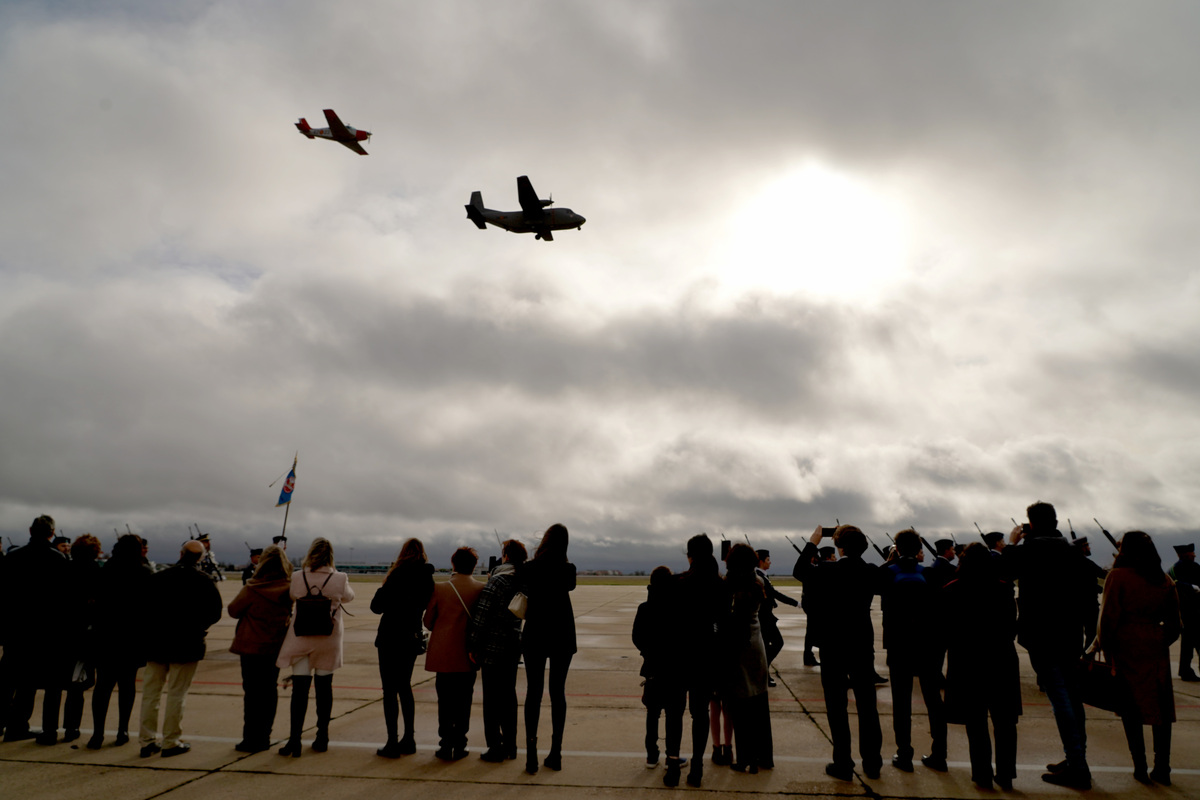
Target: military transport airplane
x,y
534,216
337,131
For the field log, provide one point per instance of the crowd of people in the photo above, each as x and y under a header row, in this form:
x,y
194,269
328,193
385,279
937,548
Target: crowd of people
x,y
707,641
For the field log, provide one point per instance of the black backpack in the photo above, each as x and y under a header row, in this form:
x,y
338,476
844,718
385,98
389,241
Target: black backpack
x,y
314,612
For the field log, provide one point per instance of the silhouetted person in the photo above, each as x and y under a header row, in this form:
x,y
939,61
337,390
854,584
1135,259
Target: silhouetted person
x,y
35,649
1139,619
447,617
248,572
81,587
1186,574
744,684
401,600
652,637
118,629
842,592
772,638
913,638
1049,572
547,580
1091,583
982,672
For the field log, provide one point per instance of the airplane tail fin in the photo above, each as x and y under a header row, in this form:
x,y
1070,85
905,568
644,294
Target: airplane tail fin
x,y
475,210
304,128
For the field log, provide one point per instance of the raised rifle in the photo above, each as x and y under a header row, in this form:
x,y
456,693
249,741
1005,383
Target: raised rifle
x,y
793,544
928,546
1107,535
981,536
882,554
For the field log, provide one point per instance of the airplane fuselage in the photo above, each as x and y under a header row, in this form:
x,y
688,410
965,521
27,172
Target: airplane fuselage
x,y
555,219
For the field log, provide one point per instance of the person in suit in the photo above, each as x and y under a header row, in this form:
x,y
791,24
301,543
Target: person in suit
x,y
447,617
313,659
262,609
772,638
183,604
547,580
842,592
941,571
255,557
402,600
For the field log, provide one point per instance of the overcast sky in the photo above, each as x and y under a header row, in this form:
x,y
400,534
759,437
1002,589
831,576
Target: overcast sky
x,y
906,263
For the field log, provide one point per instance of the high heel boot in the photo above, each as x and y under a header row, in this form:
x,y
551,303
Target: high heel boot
x,y
531,760
299,709
324,692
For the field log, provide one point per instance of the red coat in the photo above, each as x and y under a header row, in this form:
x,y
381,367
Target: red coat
x,y
1138,622
262,609
447,618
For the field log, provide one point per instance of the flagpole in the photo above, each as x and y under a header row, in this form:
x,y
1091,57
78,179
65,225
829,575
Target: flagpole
x,y
285,516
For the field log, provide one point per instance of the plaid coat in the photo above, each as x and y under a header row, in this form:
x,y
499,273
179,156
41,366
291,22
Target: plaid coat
x,y
494,634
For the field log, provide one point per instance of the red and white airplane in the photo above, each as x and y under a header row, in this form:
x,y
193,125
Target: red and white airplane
x,y
337,131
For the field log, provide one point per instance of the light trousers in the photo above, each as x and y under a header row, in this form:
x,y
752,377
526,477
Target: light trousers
x,y
178,679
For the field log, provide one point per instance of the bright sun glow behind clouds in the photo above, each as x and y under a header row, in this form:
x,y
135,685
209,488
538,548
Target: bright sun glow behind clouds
x,y
820,232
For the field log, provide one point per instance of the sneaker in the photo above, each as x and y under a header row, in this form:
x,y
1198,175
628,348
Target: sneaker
x,y
177,750
652,759
771,682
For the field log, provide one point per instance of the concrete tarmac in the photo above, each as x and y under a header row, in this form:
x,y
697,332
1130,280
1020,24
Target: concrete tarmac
x,y
603,754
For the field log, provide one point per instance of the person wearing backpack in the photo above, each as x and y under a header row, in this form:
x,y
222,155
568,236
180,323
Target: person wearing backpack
x,y
313,645
910,636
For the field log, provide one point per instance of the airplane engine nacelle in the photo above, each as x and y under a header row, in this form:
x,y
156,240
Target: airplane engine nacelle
x,y
362,136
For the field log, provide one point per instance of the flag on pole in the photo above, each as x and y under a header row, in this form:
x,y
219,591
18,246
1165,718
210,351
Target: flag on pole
x,y
285,494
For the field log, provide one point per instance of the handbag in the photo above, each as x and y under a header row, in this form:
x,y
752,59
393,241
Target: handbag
x,y
314,612
518,605
1100,685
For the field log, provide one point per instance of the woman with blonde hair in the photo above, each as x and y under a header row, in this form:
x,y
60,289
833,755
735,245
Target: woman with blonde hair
x,y
262,609
313,658
401,600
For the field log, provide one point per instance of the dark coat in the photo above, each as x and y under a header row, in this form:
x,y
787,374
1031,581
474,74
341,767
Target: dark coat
x,y
840,595
184,604
35,579
263,609
911,627
699,601
549,618
122,607
652,627
402,600
1138,622
82,585
1049,573
1186,574
982,670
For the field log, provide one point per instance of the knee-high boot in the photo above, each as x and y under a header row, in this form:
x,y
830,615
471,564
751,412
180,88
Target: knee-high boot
x,y
1162,753
300,684
324,692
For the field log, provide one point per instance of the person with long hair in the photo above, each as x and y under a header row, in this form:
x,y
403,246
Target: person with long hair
x,y
313,659
81,590
982,675
494,641
447,617
118,633
549,636
401,600
262,609
1139,620
744,687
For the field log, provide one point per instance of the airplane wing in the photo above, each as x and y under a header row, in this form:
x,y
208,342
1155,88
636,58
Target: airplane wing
x,y
353,145
530,204
336,127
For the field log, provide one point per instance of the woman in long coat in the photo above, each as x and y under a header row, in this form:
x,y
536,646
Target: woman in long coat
x,y
982,672
549,635
1139,619
447,617
401,600
744,686
262,608
81,590
118,630
313,659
